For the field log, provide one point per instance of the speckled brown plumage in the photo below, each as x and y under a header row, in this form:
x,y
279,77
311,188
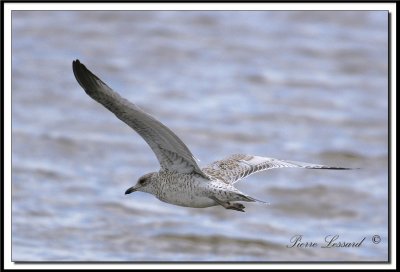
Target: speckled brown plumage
x,y
180,180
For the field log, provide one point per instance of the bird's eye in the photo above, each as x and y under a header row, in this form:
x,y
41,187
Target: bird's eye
x,y
141,181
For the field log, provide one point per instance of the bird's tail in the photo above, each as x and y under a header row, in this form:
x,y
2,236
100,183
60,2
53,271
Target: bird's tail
x,y
252,199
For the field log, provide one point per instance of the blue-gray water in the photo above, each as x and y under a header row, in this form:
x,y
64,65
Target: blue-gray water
x,y
307,86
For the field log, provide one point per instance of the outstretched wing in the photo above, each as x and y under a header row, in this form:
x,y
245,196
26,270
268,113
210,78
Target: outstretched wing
x,y
171,152
239,166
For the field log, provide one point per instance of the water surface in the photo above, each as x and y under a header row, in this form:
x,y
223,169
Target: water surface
x,y
307,86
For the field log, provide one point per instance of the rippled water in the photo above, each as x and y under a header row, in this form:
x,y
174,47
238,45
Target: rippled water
x,y
307,86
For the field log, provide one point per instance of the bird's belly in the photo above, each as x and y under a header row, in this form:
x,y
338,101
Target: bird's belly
x,y
188,201
184,190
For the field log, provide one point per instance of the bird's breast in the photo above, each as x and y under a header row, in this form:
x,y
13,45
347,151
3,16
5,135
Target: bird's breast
x,y
184,190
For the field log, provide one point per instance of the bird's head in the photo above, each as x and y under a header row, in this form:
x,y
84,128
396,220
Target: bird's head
x,y
142,184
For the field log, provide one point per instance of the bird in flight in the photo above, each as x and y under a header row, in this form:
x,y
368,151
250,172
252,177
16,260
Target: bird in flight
x,y
180,180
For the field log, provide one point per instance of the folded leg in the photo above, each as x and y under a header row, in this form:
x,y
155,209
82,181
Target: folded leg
x,y
228,205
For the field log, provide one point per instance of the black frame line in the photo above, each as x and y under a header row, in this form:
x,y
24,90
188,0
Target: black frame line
x,y
389,242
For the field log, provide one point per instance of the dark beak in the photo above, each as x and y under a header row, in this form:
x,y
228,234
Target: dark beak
x,y
130,190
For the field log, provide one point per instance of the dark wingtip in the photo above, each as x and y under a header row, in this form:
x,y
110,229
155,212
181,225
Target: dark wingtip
x,y
75,63
332,168
78,69
85,78
75,66
341,168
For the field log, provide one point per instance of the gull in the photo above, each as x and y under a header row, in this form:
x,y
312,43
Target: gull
x,y
180,181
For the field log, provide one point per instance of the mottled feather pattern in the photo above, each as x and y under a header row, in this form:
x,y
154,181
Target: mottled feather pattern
x,y
239,166
171,152
180,181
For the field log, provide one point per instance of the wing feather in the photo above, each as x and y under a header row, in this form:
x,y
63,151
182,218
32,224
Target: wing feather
x,y
239,166
171,152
